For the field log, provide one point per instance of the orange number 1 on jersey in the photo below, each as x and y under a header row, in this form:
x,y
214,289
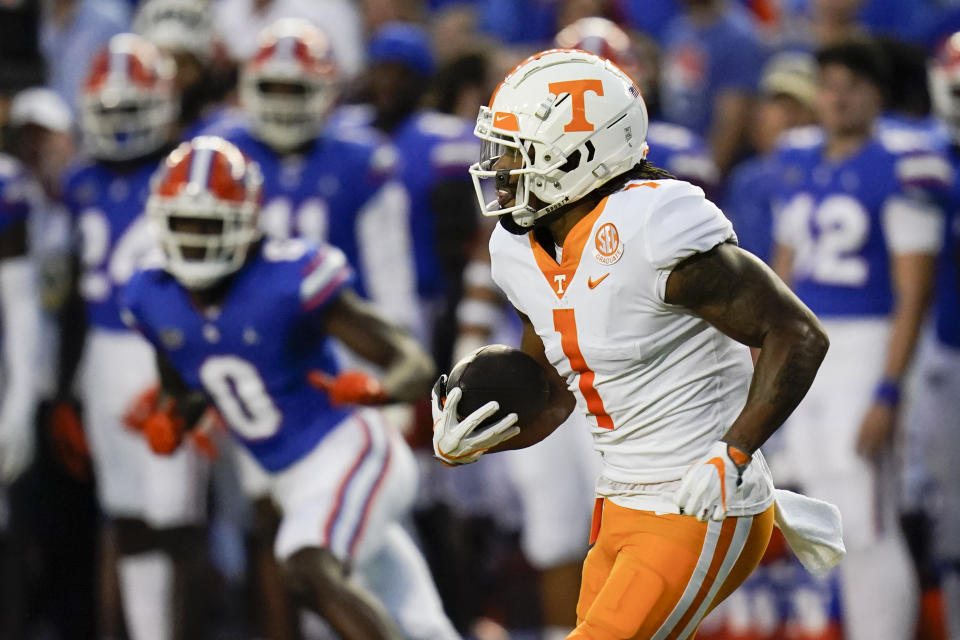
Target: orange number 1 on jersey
x,y
565,323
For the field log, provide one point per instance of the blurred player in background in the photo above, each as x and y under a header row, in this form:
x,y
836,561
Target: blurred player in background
x,y
435,150
245,323
321,186
339,189
183,29
46,575
712,56
787,92
19,306
933,406
240,22
128,113
627,282
857,234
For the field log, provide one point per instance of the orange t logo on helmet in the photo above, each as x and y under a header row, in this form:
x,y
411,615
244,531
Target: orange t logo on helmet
x,y
576,89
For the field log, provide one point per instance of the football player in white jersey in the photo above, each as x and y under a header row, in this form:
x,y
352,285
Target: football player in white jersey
x,y
640,307
552,534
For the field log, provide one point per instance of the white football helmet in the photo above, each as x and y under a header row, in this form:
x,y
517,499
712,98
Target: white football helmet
x,y
944,80
203,207
129,105
576,119
178,25
289,85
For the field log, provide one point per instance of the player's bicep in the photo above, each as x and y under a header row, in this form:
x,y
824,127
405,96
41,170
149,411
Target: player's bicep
x,y
736,292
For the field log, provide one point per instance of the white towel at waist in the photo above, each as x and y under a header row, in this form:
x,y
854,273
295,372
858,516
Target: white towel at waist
x,y
812,528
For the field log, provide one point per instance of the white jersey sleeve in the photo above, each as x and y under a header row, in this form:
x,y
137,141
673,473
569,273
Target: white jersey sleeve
x,y
502,242
680,222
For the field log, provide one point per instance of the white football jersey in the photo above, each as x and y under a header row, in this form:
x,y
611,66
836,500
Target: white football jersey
x,y
658,384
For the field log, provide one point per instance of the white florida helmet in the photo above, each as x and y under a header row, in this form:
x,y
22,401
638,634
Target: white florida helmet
x,y
178,26
203,207
576,119
289,85
129,104
944,79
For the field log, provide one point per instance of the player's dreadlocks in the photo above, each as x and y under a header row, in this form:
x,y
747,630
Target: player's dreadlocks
x,y
643,170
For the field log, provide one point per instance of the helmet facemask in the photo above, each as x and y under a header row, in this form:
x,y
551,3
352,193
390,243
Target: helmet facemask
x,y
204,239
125,127
129,104
204,208
286,112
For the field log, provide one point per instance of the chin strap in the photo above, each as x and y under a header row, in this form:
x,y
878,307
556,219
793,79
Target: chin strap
x,y
508,222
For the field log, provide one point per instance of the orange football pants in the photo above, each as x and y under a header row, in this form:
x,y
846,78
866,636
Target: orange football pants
x,y
654,577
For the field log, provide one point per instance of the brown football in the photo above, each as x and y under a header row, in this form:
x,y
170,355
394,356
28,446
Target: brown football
x,y
501,373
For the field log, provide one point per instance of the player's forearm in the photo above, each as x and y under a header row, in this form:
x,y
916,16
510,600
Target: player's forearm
x,y
190,403
787,363
904,331
731,114
913,278
410,373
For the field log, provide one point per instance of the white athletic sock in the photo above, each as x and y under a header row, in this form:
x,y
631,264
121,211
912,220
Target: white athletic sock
x,y
880,592
398,575
555,633
146,588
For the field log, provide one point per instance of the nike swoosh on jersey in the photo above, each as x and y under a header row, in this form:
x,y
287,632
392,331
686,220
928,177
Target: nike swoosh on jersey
x,y
593,283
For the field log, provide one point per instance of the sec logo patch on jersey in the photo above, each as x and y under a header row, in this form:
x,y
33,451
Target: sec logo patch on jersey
x,y
607,247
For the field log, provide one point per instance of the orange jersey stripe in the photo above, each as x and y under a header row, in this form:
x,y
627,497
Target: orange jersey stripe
x,y
565,323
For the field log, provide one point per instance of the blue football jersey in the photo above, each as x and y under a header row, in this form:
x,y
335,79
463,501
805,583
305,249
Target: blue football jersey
x,y
252,355
747,202
16,186
842,218
106,205
683,153
322,195
947,304
432,147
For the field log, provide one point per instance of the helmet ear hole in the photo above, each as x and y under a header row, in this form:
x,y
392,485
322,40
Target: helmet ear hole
x,y
572,162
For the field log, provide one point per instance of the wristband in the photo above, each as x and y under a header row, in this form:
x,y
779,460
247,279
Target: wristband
x,y
887,392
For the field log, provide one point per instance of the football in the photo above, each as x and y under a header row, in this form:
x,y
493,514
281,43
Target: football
x,y
501,373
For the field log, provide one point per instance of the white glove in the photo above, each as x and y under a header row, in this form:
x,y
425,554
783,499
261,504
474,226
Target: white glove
x,y
454,442
709,484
